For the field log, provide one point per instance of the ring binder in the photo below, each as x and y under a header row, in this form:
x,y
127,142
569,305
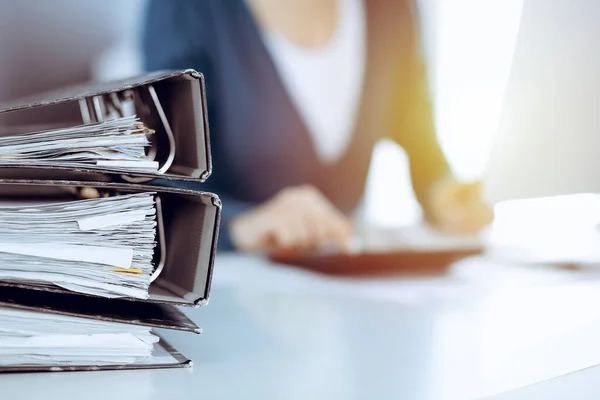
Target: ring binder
x,y
190,224
172,103
125,262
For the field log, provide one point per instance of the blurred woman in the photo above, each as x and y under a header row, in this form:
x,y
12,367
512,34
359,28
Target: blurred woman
x,y
299,92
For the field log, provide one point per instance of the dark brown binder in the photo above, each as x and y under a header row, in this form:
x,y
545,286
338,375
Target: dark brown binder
x,y
111,310
191,225
172,103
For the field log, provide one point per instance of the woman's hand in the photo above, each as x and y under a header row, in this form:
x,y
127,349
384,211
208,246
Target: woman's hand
x,y
296,218
458,207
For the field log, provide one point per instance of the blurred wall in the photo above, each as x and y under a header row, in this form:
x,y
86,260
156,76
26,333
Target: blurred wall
x,y
46,44
468,45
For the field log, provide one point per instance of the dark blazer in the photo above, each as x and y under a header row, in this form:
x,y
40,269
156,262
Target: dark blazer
x,y
259,142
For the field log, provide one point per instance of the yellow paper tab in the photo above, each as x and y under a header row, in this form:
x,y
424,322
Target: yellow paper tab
x,y
127,270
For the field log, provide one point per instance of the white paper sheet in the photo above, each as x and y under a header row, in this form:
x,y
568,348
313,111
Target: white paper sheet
x,y
99,246
105,221
151,165
114,256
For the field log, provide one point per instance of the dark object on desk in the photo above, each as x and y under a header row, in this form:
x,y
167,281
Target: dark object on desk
x,y
392,263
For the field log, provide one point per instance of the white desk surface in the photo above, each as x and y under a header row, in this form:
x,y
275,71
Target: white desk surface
x,y
277,333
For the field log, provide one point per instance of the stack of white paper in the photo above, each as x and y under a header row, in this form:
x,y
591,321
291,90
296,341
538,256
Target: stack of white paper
x,y
117,144
99,246
418,238
35,338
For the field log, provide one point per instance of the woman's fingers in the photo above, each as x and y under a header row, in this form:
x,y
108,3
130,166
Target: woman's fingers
x,y
297,218
310,230
291,232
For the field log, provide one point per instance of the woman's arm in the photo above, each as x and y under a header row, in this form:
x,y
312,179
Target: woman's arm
x,y
449,204
178,35
411,122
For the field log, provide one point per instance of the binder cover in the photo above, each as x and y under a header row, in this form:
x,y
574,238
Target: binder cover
x,y
191,223
182,136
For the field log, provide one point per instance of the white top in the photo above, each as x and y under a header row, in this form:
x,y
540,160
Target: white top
x,y
325,84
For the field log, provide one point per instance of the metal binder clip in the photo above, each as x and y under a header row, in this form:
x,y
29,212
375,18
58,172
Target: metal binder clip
x,y
100,108
168,130
161,240
155,101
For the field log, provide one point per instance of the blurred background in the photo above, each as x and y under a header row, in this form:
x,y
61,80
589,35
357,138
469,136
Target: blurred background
x,y
468,46
468,43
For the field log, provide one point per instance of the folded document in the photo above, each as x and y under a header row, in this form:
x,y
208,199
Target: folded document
x,y
103,247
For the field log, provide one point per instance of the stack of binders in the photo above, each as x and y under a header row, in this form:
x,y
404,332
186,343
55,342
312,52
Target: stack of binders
x,y
94,251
